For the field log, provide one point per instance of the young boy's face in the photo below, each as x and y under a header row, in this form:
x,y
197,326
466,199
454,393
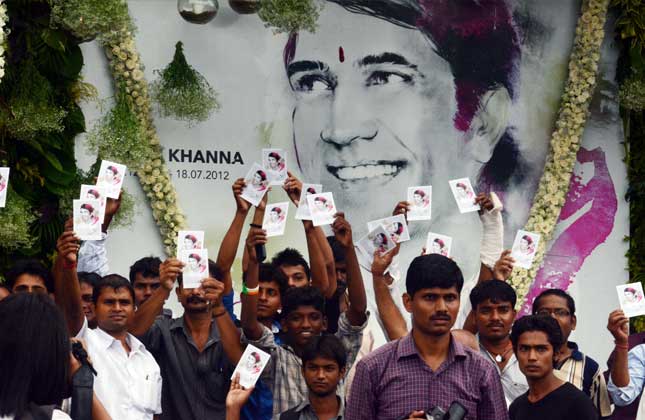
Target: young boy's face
x,y
322,376
269,300
303,323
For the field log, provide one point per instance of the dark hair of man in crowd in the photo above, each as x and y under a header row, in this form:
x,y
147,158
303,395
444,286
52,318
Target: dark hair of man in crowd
x,y
296,297
291,257
542,323
326,346
430,271
496,291
268,273
112,281
336,249
91,279
571,304
214,271
32,267
34,353
146,266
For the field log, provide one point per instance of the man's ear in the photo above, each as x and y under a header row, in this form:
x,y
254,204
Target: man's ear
x,y
407,302
324,324
574,322
343,371
488,124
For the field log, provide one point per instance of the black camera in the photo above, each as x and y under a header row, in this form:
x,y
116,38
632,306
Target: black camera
x,y
456,411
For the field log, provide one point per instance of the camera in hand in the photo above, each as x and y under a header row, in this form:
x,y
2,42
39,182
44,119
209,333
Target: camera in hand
x,y
456,411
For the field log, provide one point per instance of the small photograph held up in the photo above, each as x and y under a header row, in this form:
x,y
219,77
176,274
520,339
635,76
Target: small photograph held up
x,y
420,200
322,208
187,240
396,226
275,218
303,212
464,195
377,240
274,162
87,221
631,299
4,185
111,176
95,192
251,365
196,267
257,184
524,248
438,244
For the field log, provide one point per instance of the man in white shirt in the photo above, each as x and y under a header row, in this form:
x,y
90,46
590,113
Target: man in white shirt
x,y
128,383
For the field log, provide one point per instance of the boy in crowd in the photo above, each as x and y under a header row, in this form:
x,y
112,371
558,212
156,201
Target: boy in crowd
x,y
571,364
302,319
493,304
536,340
323,367
29,276
144,277
408,377
88,282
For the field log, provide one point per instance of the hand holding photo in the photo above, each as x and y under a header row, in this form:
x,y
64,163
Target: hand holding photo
x,y
111,176
95,192
188,240
322,208
257,184
303,212
524,248
251,365
275,218
274,162
196,268
631,299
438,244
420,199
395,226
4,184
87,224
377,240
464,194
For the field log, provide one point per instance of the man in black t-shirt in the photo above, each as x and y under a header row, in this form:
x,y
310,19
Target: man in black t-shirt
x,y
535,339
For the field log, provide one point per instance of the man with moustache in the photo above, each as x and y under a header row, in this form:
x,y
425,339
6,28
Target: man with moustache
x,y
493,304
408,377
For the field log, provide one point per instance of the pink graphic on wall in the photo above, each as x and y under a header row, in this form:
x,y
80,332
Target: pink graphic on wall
x,y
569,251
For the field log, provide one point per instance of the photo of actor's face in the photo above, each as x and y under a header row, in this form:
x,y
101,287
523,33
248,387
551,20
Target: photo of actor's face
x,y
189,243
526,244
193,263
631,295
320,205
349,130
93,195
86,212
110,174
437,246
380,240
274,215
253,362
418,199
274,161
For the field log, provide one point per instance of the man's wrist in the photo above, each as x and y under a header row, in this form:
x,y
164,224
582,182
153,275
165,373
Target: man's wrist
x,y
620,345
69,265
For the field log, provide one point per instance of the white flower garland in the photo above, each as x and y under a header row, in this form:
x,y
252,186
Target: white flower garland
x,y
152,172
565,141
3,36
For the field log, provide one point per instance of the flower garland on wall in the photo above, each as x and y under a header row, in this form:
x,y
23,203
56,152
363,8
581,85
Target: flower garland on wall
x,y
151,169
566,139
3,38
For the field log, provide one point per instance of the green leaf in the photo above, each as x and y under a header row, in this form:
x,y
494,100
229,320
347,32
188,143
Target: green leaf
x,y
55,39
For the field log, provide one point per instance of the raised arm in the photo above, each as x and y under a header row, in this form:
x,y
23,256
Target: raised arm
x,y
146,314
67,288
617,326
356,312
230,335
258,217
92,256
250,325
321,259
231,240
391,317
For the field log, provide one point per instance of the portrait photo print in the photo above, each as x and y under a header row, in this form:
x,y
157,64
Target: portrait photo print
x,y
438,244
377,240
322,208
631,299
420,201
395,226
111,176
257,184
524,248
95,192
251,365
275,218
187,240
464,195
87,223
303,212
274,162
196,267
4,185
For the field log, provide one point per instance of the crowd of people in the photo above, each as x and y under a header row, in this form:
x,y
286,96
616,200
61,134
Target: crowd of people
x,y
131,359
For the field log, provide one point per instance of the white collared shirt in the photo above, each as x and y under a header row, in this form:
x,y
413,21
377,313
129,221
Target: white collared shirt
x,y
513,380
128,385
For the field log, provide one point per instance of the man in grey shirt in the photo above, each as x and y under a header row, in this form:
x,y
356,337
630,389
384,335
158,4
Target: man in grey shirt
x,y
493,304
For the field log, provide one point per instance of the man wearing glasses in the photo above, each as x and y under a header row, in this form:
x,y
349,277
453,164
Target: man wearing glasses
x,y
571,364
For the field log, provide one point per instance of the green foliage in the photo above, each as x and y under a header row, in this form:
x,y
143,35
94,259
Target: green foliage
x,y
119,135
15,223
631,75
183,93
39,119
87,19
31,107
290,15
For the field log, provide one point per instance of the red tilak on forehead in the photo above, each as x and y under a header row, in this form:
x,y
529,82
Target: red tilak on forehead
x,y
341,54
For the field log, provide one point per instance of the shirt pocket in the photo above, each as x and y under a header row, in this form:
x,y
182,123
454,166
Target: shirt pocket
x,y
147,392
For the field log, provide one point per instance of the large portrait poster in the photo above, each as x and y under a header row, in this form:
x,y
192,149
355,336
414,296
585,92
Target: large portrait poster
x,y
384,96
